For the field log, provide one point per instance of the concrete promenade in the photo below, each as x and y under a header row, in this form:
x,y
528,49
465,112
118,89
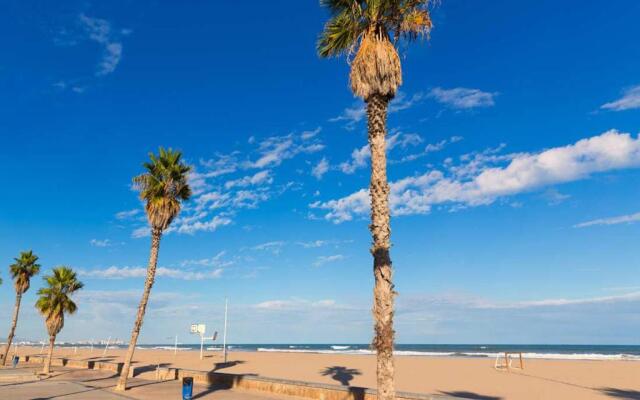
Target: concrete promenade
x,y
72,384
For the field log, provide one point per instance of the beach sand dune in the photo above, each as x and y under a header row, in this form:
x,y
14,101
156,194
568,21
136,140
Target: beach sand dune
x,y
472,378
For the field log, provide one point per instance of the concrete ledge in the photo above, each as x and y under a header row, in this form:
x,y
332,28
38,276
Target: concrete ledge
x,y
108,366
316,391
154,372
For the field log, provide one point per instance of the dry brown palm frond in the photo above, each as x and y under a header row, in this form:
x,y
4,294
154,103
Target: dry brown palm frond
x,y
55,323
376,68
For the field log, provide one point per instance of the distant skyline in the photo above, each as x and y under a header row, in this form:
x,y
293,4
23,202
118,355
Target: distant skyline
x,y
514,162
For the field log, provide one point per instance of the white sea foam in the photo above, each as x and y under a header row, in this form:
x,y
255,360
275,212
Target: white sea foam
x,y
550,356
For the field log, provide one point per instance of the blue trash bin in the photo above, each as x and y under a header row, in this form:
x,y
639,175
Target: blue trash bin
x,y
187,388
15,360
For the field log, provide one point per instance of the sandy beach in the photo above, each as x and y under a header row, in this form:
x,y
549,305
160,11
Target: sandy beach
x,y
473,378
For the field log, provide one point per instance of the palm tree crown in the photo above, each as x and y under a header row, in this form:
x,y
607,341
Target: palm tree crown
x,y
373,27
23,270
55,299
163,187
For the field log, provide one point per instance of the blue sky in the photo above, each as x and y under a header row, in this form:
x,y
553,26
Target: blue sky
x,y
513,149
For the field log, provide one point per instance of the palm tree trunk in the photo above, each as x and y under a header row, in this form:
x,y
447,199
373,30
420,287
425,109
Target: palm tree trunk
x,y
12,331
47,362
383,292
151,273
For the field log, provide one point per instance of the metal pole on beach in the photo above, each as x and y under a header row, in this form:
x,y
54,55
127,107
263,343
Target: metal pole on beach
x,y
224,335
106,347
201,344
175,346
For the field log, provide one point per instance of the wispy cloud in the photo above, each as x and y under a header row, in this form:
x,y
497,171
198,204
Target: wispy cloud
x,y
482,178
259,178
274,247
128,214
320,168
621,219
428,149
222,188
322,260
630,100
215,261
296,304
322,243
275,149
462,98
100,243
360,156
358,111
115,272
100,31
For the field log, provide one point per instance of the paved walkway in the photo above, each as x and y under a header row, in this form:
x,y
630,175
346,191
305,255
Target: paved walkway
x,y
73,384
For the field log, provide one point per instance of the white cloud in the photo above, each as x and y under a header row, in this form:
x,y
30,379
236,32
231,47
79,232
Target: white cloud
x,y
215,261
554,197
430,148
630,100
141,232
327,259
315,243
352,115
360,156
306,135
462,98
111,59
128,214
479,181
275,149
101,32
100,243
274,247
320,168
295,304
205,226
560,302
115,272
622,219
401,102
259,178
358,111
218,196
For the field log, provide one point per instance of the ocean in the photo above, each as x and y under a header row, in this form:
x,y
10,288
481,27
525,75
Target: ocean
x,y
566,352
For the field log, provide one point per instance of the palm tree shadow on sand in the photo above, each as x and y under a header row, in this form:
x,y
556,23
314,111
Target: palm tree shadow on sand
x,y
343,375
621,393
470,395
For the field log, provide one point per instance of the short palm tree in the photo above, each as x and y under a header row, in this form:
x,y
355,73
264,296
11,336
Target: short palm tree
x,y
163,187
54,302
24,268
371,29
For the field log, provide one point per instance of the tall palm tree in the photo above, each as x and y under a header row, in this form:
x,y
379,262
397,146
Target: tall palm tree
x,y
372,29
54,301
163,187
24,268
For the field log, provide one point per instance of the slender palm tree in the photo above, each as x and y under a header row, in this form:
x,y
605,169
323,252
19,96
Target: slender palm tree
x,y
371,29
54,301
24,268
162,187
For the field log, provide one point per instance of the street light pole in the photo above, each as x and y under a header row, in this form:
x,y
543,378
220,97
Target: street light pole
x,y
224,335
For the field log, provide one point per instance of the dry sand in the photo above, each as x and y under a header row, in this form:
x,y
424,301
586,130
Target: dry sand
x,y
472,378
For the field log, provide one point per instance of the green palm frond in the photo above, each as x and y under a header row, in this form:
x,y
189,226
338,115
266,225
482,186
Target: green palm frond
x,y
54,300
24,268
351,19
163,187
